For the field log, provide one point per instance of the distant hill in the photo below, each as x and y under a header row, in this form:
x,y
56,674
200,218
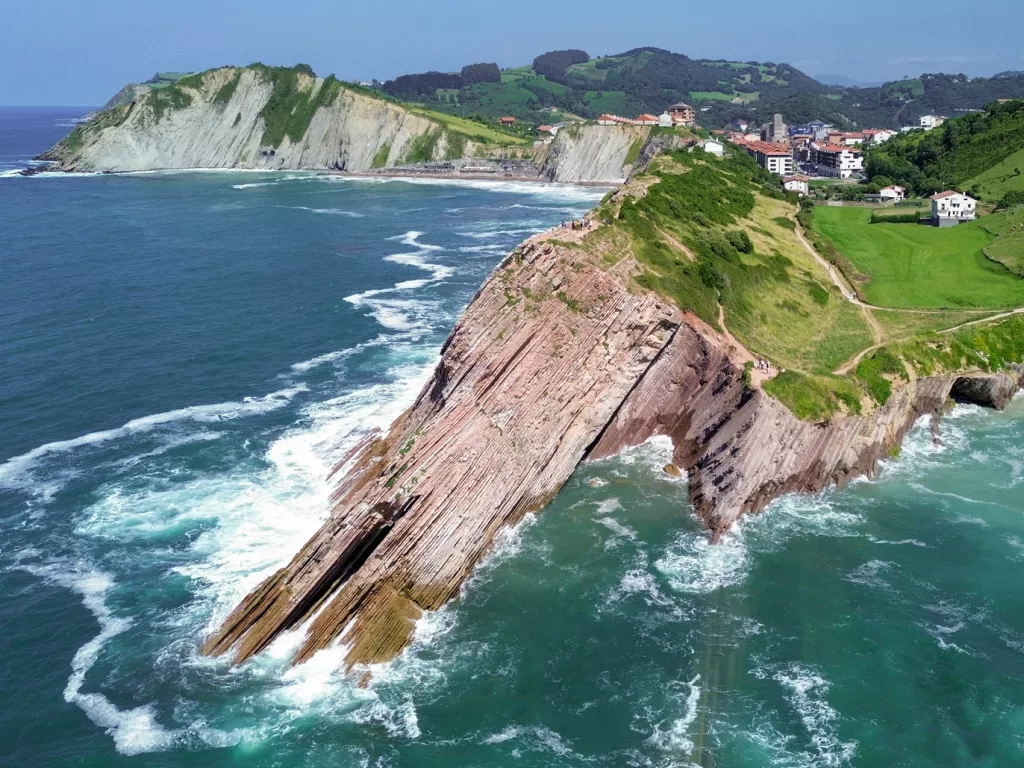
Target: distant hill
x,y
569,83
842,81
981,153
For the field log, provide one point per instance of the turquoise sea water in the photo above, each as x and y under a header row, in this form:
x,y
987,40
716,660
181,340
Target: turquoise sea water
x,y
184,354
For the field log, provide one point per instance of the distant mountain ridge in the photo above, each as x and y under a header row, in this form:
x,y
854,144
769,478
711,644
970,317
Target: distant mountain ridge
x,y
570,83
842,81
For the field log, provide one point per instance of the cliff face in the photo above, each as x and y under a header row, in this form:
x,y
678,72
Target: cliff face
x,y
558,358
219,120
219,125
593,152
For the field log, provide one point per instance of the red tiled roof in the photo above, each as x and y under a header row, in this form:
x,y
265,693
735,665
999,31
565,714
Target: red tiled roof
x,y
544,128
947,193
768,148
647,117
796,177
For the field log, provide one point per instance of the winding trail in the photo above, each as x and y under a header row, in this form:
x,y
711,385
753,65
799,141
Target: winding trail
x,y
867,309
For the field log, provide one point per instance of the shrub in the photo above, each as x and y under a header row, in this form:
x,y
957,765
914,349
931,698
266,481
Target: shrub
x,y
819,294
289,110
895,218
228,89
740,240
1011,198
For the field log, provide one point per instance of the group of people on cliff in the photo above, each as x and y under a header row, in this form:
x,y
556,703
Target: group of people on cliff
x,y
584,224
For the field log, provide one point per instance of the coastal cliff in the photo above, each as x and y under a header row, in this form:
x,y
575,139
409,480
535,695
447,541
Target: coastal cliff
x,y
565,354
288,119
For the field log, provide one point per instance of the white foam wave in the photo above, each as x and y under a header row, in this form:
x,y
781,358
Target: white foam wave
x,y
398,314
326,211
263,519
341,354
16,472
134,731
492,233
556,192
806,691
911,542
676,737
870,574
532,738
694,565
399,721
489,249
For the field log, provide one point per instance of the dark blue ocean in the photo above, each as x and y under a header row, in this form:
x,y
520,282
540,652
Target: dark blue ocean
x,y
184,355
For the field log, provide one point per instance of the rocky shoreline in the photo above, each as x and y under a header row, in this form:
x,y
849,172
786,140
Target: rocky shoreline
x,y
555,361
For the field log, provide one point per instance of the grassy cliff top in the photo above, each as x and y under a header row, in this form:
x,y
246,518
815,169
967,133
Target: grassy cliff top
x,y
720,238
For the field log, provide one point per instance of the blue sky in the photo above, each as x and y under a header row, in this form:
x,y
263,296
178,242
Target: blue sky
x,y
80,53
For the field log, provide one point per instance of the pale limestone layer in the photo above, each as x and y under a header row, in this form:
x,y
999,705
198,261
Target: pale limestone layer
x,y
348,135
345,135
593,153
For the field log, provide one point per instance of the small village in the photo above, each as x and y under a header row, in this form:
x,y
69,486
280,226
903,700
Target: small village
x,y
800,153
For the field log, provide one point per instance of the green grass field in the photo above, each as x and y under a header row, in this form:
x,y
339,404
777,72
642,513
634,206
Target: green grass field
x,y
474,130
999,179
711,96
1008,250
912,265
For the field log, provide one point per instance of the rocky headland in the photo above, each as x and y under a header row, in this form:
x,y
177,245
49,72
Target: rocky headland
x,y
580,344
563,356
288,119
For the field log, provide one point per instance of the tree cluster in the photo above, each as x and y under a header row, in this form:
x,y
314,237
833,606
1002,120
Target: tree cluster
x,y
481,73
424,86
554,64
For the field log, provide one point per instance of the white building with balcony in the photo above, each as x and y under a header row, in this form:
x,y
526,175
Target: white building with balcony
x,y
836,160
949,208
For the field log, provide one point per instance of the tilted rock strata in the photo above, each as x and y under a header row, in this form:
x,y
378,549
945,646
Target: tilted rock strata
x,y
554,361
209,134
355,133
526,382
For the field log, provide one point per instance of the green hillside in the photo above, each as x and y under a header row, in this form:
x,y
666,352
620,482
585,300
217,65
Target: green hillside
x,y
571,83
1005,176
979,153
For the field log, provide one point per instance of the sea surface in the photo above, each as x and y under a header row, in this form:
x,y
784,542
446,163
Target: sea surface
x,y
182,357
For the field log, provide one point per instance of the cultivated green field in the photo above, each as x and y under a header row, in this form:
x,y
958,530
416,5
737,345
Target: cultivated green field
x,y
1008,250
999,179
912,265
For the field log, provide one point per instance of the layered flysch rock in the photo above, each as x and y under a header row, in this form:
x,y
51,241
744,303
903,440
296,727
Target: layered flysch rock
x,y
556,360
218,122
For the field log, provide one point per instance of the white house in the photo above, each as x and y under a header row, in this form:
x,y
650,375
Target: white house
x,y
892,193
665,120
797,183
714,147
606,120
876,136
931,121
950,208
